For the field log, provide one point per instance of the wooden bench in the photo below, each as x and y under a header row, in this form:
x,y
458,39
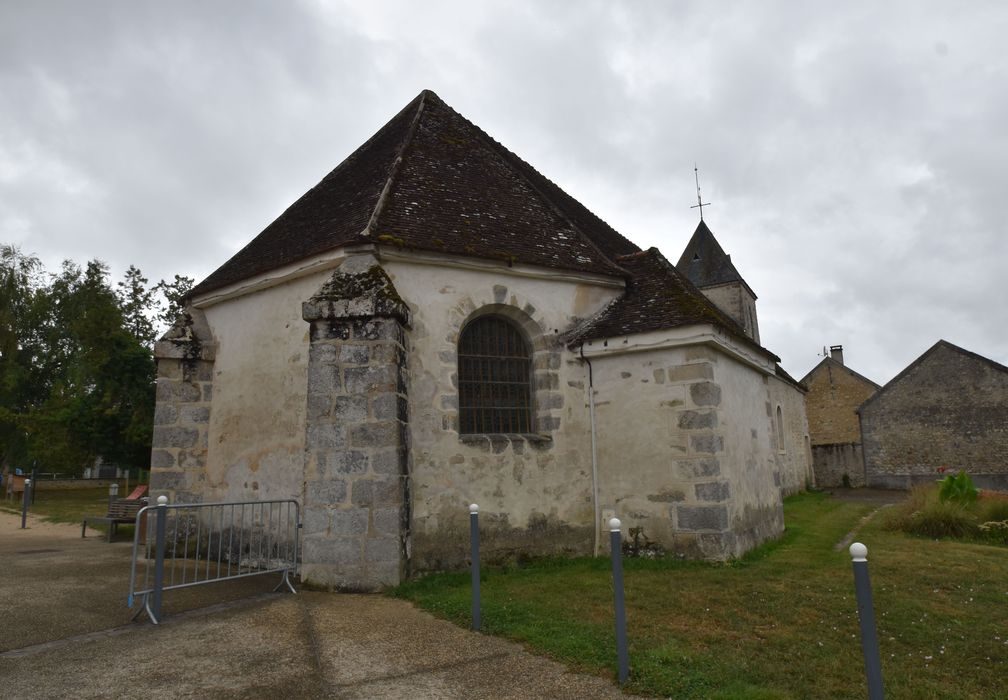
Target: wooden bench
x,y
15,486
121,510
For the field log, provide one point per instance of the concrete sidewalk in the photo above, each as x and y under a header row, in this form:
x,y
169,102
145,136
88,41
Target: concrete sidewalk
x,y
70,602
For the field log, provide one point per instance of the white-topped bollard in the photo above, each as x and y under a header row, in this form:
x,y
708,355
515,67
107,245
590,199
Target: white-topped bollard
x,y
866,617
25,500
622,655
160,528
474,559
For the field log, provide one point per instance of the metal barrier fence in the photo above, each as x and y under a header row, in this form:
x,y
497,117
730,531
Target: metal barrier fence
x,y
184,545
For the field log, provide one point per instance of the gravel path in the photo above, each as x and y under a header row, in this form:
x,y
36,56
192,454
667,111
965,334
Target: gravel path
x,y
55,586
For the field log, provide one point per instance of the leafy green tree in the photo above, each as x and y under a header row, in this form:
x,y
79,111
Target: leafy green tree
x,y
20,348
174,294
137,303
100,401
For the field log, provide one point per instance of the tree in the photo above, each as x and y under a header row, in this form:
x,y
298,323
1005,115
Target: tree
x,y
137,304
20,284
100,401
174,294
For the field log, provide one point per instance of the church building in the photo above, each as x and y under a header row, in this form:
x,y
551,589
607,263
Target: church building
x,y
435,324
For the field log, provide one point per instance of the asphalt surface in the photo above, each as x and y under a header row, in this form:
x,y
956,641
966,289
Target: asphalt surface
x,y
66,633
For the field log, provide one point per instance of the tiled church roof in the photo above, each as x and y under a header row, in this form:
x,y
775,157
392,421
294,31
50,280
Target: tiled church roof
x,y
705,263
657,297
431,180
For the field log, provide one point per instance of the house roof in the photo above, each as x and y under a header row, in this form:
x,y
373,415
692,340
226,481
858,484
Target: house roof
x,y
431,180
705,263
657,297
838,365
941,344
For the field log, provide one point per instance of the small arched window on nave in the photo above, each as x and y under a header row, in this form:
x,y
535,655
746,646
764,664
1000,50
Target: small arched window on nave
x,y
494,378
780,429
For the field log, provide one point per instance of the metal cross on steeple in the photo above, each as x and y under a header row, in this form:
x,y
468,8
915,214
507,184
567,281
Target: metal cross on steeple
x,y
700,203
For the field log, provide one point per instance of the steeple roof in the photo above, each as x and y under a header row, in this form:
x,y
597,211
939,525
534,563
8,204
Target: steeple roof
x,y
705,263
430,180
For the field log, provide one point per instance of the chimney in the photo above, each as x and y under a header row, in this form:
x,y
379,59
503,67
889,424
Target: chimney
x,y
836,353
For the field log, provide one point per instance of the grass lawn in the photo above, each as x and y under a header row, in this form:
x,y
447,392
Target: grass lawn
x,y
781,623
70,506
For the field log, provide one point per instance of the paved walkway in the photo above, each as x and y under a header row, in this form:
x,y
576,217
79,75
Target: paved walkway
x,y
54,586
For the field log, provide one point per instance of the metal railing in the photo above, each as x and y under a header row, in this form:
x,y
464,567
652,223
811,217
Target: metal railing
x,y
184,545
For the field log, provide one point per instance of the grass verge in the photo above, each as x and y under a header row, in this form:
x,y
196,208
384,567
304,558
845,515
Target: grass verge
x,y
70,506
780,623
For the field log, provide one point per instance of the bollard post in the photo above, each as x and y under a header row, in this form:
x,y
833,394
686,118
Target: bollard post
x,y
622,654
25,499
159,552
113,492
866,616
474,554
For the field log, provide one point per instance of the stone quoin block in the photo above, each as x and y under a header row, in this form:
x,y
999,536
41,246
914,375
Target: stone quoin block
x,y
713,491
702,517
705,394
689,468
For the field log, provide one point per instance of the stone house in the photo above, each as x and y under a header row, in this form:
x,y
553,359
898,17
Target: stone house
x,y
947,409
834,393
434,324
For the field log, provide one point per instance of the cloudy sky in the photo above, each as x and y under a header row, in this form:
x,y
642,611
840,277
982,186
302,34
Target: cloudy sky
x,y
853,152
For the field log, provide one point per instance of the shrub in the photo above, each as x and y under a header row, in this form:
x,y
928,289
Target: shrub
x,y
943,519
957,488
994,531
992,507
898,517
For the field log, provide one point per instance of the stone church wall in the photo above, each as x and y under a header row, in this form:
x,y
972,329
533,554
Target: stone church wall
x,y
257,425
794,472
948,410
534,491
685,436
756,512
684,450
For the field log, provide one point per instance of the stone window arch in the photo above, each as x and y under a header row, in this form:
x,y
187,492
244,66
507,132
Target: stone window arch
x,y
495,377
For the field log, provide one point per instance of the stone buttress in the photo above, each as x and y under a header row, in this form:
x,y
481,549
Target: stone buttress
x,y
185,361
356,500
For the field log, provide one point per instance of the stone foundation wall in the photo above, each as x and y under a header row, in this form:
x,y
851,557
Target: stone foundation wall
x,y
832,462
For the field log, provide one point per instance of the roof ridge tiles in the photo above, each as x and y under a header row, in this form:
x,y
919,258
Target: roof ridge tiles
x,y
394,168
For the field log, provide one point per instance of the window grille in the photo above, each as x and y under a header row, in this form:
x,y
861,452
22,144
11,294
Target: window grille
x,y
494,378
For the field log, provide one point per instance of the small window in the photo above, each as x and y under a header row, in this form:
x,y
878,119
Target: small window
x,y
780,430
494,378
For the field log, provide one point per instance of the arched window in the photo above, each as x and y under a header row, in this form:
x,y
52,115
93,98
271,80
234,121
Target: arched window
x,y
780,430
494,378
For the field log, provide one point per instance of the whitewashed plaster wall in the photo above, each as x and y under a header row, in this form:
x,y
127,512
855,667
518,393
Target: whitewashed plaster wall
x,y
257,420
756,510
534,494
794,457
648,464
